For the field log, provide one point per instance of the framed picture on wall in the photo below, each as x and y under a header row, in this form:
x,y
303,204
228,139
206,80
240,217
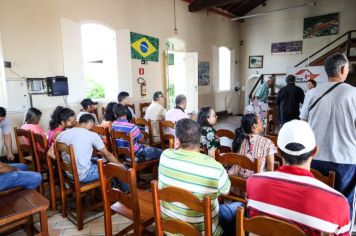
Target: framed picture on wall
x,y
255,62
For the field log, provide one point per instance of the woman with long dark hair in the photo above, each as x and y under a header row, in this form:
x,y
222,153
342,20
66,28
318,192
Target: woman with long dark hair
x,y
61,118
208,140
109,116
249,142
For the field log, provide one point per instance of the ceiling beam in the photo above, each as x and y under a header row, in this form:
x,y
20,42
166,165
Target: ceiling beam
x,y
198,5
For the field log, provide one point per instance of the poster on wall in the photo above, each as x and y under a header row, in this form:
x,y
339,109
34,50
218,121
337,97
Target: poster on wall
x,y
303,74
323,25
292,47
144,47
203,73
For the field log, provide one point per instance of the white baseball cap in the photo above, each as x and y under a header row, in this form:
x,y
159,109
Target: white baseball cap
x,y
296,131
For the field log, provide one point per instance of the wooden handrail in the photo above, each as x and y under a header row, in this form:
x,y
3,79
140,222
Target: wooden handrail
x,y
348,33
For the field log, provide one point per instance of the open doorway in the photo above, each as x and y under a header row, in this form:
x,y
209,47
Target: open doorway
x,y
100,61
182,74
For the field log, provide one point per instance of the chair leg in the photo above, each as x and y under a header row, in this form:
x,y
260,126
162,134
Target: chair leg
x,y
78,206
52,185
64,202
30,225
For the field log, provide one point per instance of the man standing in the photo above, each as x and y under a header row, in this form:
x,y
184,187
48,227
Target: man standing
x,y
6,131
330,110
289,98
156,112
198,173
292,193
311,84
262,91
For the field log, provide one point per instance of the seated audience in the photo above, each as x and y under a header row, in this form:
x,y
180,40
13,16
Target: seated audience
x,y
292,193
123,98
177,113
109,116
83,141
311,84
208,140
156,112
142,152
16,175
5,126
250,143
88,108
32,120
198,173
61,119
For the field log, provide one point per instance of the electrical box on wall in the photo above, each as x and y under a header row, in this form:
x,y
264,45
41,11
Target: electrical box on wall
x,y
36,85
57,86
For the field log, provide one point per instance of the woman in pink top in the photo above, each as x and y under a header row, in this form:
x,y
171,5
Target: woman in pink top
x,y
61,119
32,120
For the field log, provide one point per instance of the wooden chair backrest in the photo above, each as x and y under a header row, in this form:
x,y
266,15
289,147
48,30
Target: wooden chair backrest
x,y
127,152
264,226
64,166
40,148
175,226
232,158
273,138
104,133
112,194
143,107
329,180
167,139
225,133
24,145
240,184
147,133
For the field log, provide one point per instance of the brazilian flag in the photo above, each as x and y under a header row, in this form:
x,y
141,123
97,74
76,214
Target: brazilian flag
x,y
144,47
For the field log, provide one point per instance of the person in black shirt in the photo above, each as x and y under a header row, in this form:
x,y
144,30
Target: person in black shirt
x,y
123,98
288,100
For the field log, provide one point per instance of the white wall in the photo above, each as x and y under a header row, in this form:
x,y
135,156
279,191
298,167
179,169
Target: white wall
x,y
258,33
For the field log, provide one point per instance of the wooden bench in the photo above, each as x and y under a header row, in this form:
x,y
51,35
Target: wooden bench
x,y
18,206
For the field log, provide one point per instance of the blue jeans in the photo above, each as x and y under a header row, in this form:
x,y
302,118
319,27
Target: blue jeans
x,y
22,178
149,153
345,180
93,174
227,217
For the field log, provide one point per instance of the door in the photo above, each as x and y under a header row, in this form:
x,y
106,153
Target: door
x,y
183,78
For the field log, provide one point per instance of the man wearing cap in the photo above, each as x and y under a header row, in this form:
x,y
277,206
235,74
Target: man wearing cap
x,y
330,109
156,112
262,91
289,98
88,108
292,193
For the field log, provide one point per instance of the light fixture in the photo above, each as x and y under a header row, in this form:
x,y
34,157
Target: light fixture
x,y
267,12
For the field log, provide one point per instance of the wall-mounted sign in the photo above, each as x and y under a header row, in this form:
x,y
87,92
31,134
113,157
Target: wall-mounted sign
x,y
141,71
293,47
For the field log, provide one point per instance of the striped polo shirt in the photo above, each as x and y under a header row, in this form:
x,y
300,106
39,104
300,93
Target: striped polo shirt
x,y
124,126
294,195
197,173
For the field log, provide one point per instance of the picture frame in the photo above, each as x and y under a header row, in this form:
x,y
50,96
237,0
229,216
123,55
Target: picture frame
x,y
322,25
255,62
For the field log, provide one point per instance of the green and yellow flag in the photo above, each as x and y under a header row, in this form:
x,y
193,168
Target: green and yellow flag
x,y
144,47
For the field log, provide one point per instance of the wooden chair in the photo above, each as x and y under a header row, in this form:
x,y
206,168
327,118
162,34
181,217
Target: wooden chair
x,y
329,180
167,139
229,159
228,134
175,226
136,205
147,133
264,226
69,185
25,147
130,153
40,148
143,107
104,133
18,207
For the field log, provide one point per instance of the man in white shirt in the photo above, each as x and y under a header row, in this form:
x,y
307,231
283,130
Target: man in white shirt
x,y
5,127
177,113
156,112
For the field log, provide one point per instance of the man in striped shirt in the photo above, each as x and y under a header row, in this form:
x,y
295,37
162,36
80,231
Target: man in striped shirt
x,y
292,193
142,152
188,169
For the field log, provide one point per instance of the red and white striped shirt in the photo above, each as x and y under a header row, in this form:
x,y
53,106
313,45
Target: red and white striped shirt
x,y
294,195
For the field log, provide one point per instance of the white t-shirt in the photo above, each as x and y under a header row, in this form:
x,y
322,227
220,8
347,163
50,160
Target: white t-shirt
x,y
83,142
333,120
155,112
5,126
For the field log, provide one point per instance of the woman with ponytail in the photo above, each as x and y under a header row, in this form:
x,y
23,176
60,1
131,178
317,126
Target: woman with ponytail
x,y
61,119
249,142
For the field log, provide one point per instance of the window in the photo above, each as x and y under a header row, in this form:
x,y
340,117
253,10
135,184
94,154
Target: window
x,y
224,69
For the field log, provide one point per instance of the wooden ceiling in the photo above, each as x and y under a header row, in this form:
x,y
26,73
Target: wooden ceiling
x,y
234,8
